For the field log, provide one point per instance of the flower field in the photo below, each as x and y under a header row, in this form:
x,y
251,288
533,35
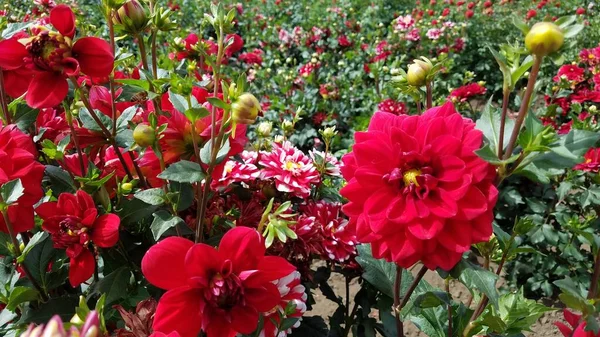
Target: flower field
x,y
299,168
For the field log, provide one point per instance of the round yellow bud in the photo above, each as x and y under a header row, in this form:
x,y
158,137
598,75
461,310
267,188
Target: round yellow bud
x,y
245,109
144,135
544,38
417,73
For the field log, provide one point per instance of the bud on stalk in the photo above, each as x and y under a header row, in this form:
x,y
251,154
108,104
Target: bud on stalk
x,y
544,38
131,17
418,72
144,135
245,109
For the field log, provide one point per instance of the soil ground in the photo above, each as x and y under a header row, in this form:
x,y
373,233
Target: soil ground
x,y
325,308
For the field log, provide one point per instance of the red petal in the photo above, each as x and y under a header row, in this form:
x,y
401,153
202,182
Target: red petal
x,y
571,318
200,261
275,267
17,81
63,19
563,329
105,232
179,310
244,319
47,210
46,90
244,247
218,326
21,217
95,56
263,299
81,268
164,263
11,54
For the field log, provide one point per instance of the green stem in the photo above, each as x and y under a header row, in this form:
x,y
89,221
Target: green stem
x,y
154,54
595,278
142,46
447,284
537,61
397,308
429,89
505,101
413,286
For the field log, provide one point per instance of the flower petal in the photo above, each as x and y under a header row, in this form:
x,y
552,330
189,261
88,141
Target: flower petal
x,y
95,56
164,263
63,19
46,90
105,232
11,54
244,319
81,268
200,261
244,247
179,310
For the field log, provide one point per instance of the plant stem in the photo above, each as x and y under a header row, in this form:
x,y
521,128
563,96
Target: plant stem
x,y
3,100
447,284
142,46
111,30
595,277
138,171
153,54
413,286
428,88
215,145
105,131
17,248
397,308
418,107
537,61
77,148
505,101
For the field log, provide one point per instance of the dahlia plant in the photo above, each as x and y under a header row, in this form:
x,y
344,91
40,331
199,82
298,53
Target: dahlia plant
x,y
142,176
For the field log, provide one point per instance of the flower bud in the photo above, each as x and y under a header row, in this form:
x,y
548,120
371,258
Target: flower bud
x,y
287,126
131,17
264,129
544,38
245,109
144,135
329,132
417,73
126,188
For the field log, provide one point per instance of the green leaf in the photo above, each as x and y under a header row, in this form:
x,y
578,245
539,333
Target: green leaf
x,y
25,116
519,23
21,295
205,152
569,286
153,196
216,102
11,191
115,284
163,221
38,258
380,273
38,238
125,117
476,278
141,84
63,306
313,326
183,172
60,180
89,123
489,124
565,21
13,28
196,113
179,102
486,153
573,30
432,299
134,211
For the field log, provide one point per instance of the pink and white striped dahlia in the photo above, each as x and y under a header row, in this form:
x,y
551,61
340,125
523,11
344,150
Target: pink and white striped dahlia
x,y
291,169
416,189
236,172
293,298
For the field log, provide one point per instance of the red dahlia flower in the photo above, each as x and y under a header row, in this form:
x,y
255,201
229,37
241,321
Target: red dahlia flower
x,y
18,161
222,292
291,291
577,328
292,170
391,106
74,225
52,57
416,189
570,73
465,92
591,161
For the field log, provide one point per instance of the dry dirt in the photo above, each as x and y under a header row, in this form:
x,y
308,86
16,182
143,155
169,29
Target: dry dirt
x,y
325,308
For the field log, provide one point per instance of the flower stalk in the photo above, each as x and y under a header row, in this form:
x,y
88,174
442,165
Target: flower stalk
x,y
447,285
505,101
397,308
537,61
595,278
429,90
3,101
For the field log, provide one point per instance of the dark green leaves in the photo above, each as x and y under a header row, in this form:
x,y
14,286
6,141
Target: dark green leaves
x,y
380,273
489,124
153,196
476,278
163,221
21,295
11,191
183,172
205,152
115,284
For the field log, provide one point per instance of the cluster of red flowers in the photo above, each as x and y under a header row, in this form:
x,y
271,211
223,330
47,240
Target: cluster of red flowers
x,y
391,106
578,326
466,92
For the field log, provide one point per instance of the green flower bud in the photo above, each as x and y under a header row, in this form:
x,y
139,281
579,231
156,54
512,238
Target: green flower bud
x,y
144,135
245,109
131,17
417,73
126,188
544,38
264,129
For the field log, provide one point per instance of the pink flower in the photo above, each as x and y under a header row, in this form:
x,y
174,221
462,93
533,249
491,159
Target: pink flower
x,y
222,291
329,162
404,23
391,106
465,92
413,35
291,169
434,33
416,189
570,73
292,293
236,172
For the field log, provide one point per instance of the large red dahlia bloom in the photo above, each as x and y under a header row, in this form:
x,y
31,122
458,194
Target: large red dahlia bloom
x,y
74,225
416,189
222,292
18,161
578,326
42,63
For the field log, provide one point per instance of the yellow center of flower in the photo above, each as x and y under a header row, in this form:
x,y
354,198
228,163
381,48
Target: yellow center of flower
x,y
589,160
410,177
291,165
